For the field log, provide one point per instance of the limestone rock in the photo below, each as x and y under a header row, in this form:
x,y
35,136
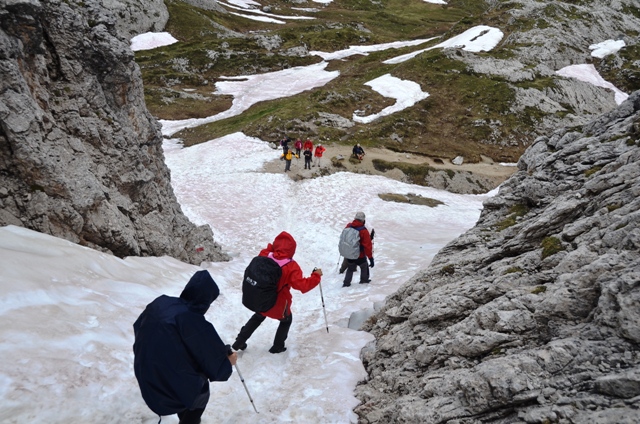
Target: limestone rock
x,y
80,156
533,315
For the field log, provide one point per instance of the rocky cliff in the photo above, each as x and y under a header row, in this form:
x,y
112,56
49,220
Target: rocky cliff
x,y
534,314
80,156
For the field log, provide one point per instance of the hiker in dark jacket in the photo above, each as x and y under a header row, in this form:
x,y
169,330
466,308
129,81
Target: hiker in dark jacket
x,y
366,251
307,159
281,251
358,152
177,351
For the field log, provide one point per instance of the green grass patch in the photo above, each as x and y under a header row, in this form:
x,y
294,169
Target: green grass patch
x,y
448,270
515,211
410,198
589,172
551,246
539,290
414,172
513,270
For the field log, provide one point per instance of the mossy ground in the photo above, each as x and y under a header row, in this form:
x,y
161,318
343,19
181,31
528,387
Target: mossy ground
x,y
466,114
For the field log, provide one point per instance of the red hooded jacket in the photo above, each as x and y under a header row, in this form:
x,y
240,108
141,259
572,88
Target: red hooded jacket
x,y
308,145
365,240
284,247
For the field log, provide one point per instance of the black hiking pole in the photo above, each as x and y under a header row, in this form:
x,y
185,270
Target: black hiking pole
x,y
243,383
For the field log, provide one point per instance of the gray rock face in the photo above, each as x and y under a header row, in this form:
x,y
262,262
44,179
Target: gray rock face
x,y
548,37
133,17
80,156
534,315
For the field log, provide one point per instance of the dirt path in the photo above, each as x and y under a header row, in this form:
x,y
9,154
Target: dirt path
x,y
468,177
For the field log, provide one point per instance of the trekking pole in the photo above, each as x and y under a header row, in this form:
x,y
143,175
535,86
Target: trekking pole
x,y
338,264
245,388
323,309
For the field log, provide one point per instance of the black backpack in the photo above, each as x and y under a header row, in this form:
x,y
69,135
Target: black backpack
x,y
260,284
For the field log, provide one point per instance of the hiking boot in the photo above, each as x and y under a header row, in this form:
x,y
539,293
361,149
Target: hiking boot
x,y
239,346
346,285
276,349
365,282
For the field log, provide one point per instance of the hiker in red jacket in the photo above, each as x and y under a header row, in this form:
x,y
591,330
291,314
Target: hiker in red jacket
x,y
281,251
366,251
318,155
308,145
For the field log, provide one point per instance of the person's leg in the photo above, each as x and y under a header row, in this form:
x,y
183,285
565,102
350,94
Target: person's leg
x,y
288,165
189,416
281,335
344,265
247,330
192,416
351,267
364,271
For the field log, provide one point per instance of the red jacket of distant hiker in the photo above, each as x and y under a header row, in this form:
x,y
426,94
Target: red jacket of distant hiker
x,y
284,247
308,145
366,247
319,151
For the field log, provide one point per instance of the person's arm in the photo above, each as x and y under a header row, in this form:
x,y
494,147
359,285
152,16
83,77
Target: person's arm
x,y
365,240
205,346
297,280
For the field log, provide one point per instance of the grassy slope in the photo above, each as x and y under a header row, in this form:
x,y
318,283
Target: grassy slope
x,y
453,121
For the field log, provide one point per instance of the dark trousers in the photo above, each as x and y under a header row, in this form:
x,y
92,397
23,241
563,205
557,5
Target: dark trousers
x,y
351,267
307,163
189,416
192,416
254,322
287,166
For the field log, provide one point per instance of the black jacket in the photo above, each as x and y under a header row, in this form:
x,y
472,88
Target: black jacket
x,y
177,350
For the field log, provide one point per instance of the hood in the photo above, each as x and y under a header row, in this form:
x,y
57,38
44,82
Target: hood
x,y
200,292
284,246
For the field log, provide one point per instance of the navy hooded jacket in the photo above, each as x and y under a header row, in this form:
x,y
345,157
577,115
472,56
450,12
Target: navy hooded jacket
x,y
177,351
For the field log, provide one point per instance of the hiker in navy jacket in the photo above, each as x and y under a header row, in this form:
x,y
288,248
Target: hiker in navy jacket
x,y
366,251
177,351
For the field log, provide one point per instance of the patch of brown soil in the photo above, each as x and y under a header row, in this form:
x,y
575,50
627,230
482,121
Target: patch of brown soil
x,y
469,177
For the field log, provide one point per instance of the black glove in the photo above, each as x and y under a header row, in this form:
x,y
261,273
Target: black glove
x,y
229,350
371,263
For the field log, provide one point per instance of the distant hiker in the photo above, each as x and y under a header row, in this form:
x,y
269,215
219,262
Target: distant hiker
x,y
345,262
308,145
307,158
281,252
285,144
288,155
318,155
177,351
358,152
356,248
298,146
